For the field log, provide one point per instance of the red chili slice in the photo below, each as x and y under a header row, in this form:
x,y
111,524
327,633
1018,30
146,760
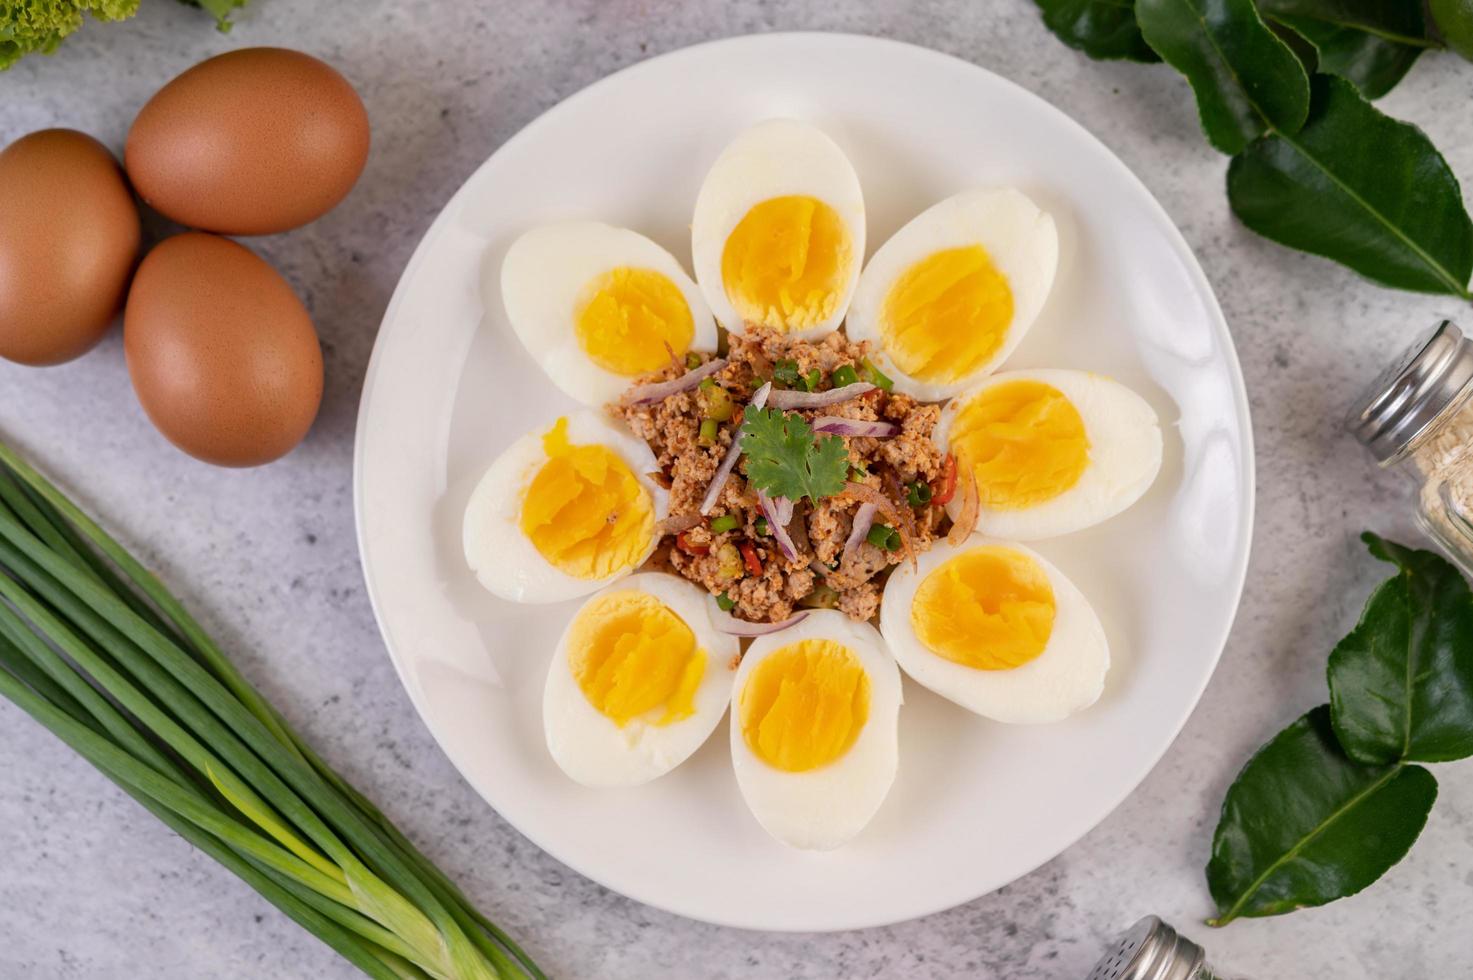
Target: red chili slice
x,y
685,545
945,487
749,555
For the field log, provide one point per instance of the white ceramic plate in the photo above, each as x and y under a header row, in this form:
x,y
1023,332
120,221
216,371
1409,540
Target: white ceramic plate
x,y
976,804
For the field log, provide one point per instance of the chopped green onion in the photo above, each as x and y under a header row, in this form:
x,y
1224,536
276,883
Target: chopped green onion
x,y
844,375
823,596
97,650
918,493
692,361
707,435
876,377
716,401
813,379
786,374
857,474
725,602
761,526
726,522
879,536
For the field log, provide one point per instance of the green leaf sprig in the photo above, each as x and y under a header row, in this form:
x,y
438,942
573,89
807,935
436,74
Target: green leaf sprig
x,y
785,460
1283,87
1335,800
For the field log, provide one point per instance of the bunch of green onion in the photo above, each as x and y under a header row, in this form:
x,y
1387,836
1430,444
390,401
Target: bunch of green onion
x,y
97,650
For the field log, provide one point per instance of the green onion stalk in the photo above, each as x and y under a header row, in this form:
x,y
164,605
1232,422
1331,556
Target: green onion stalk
x,y
96,649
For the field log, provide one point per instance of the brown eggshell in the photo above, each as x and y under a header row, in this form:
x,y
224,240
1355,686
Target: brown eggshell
x,y
221,352
250,142
68,240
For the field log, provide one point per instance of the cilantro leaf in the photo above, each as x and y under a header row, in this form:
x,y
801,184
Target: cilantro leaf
x,y
785,460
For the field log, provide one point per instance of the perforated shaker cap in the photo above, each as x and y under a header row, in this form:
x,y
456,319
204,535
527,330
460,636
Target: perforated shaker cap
x,y
1430,376
1150,950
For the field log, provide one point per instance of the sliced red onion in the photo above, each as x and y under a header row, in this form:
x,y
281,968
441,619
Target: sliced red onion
x,y
774,511
729,461
835,426
819,399
730,625
820,569
864,519
674,524
649,394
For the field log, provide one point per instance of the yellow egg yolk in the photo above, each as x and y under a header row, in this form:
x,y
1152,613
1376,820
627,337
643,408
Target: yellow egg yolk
x,y
585,511
991,608
947,315
786,263
630,320
1025,442
804,705
635,658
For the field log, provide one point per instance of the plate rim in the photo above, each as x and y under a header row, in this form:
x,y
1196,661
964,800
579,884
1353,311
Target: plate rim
x,y
1179,246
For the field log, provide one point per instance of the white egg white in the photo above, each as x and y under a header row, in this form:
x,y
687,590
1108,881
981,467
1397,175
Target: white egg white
x,y
543,278
1124,456
825,807
503,558
1021,241
1066,677
595,751
776,158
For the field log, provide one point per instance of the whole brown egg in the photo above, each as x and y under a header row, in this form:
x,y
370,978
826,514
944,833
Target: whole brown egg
x,y
68,240
222,354
251,142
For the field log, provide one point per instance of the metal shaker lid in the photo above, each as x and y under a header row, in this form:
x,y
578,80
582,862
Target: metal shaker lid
x,y
1150,950
1408,397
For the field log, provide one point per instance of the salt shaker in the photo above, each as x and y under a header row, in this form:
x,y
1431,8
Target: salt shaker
x,y
1152,950
1418,417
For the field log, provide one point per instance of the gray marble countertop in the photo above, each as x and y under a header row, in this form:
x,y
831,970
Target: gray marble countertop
x,y
92,886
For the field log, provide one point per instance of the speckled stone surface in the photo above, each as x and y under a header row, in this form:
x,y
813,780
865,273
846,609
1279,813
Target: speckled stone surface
x,y
91,886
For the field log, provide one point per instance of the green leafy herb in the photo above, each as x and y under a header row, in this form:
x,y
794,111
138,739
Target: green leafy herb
x,y
1282,85
1454,23
1401,684
1245,78
785,460
1361,188
1099,28
761,526
1303,824
1333,801
1370,43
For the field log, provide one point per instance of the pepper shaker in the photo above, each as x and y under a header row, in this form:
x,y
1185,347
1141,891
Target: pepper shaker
x,y
1418,417
1152,950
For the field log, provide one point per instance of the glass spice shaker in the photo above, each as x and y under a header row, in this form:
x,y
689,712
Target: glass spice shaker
x,y
1418,416
1152,950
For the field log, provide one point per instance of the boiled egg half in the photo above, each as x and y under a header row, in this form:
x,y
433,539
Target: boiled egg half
x,y
950,295
814,729
598,306
778,232
994,627
1051,451
564,511
638,682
